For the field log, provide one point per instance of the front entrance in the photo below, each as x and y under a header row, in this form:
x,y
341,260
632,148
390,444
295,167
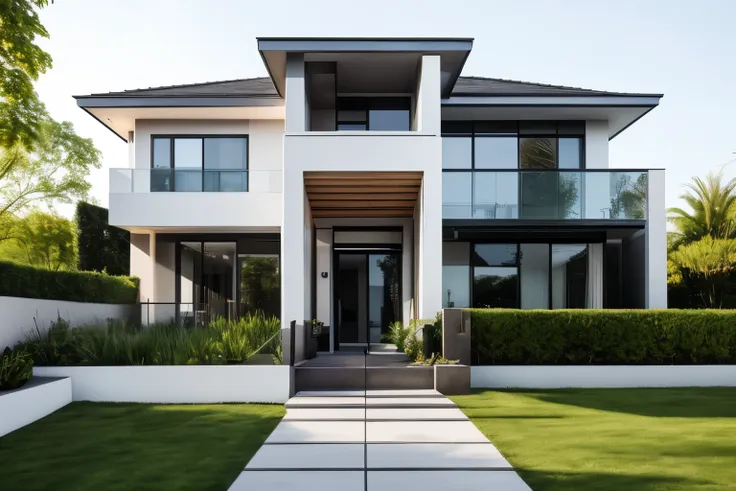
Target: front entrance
x,y
367,289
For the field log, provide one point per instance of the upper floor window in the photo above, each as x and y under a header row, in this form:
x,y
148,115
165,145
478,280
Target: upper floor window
x,y
513,145
199,163
374,114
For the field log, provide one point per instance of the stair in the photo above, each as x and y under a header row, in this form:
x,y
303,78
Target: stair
x,y
359,378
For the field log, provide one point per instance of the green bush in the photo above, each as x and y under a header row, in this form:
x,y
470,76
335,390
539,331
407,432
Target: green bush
x,y
101,246
25,281
16,368
397,335
603,337
117,343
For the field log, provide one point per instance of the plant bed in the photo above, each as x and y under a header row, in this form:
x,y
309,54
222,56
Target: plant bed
x,y
31,402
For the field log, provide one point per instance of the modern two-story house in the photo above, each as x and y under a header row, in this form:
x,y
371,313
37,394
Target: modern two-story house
x,y
366,181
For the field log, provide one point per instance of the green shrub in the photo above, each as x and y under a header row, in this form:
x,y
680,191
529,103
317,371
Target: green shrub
x,y
16,368
397,335
29,282
118,343
101,246
602,337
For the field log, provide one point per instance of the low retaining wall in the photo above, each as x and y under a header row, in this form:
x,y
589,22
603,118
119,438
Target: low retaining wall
x,y
602,376
18,315
196,384
33,401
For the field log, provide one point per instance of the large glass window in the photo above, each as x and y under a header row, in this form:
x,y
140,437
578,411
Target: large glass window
x,y
496,152
569,273
192,164
537,153
373,114
207,280
457,194
457,152
534,276
455,274
260,284
495,195
495,276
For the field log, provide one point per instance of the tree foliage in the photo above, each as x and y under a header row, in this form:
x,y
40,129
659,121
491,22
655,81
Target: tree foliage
x,y
102,247
55,170
713,204
21,62
708,265
42,240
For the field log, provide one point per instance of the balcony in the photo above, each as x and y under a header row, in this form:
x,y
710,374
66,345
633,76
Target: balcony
x,y
161,198
593,194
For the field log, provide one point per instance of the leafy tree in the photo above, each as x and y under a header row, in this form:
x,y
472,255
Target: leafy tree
x,y
102,247
54,171
21,62
260,285
713,204
707,266
42,240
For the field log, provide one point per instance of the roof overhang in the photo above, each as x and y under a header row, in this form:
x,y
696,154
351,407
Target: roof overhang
x,y
620,111
118,114
452,51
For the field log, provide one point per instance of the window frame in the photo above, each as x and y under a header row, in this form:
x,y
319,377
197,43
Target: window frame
x,y
367,104
197,136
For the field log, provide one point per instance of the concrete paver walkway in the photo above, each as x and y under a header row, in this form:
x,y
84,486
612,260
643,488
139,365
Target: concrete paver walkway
x,y
380,441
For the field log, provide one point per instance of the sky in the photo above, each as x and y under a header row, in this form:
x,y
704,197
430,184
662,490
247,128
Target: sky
x,y
685,50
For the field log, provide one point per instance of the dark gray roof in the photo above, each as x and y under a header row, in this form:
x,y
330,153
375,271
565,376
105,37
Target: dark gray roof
x,y
245,87
483,86
263,87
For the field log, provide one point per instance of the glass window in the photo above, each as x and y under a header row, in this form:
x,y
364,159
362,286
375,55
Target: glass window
x,y
457,152
534,276
569,271
570,153
496,153
389,120
537,153
161,153
352,127
457,195
225,153
455,286
495,287
495,195
188,153
495,255
188,180
260,284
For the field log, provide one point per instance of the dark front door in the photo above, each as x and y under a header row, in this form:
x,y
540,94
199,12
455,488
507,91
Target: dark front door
x,y
367,295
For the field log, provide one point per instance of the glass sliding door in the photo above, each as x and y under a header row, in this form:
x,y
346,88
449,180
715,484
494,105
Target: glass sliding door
x,y
207,278
569,276
260,284
384,293
495,276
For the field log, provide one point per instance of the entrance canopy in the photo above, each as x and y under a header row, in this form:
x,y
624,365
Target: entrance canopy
x,y
362,194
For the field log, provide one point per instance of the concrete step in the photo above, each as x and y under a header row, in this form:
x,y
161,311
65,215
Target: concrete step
x,y
357,378
383,348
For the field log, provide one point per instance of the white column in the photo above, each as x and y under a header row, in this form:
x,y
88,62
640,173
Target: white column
x,y
596,144
296,109
324,285
292,255
429,96
655,276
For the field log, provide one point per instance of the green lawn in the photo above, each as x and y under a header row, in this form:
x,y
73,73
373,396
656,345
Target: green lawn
x,y
613,440
92,446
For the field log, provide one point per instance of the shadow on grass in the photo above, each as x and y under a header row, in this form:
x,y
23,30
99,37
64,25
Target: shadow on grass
x,y
662,403
586,481
93,446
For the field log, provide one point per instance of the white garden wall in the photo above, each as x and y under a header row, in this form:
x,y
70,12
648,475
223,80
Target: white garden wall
x,y
35,400
196,384
17,315
604,376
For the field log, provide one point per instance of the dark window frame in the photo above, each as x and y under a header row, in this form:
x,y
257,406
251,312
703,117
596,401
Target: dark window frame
x,y
366,105
196,136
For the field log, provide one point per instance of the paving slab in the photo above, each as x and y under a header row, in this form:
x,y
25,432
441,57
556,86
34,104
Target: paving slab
x,y
446,480
318,432
414,414
435,456
403,393
331,393
299,481
423,432
308,401
309,456
340,414
409,402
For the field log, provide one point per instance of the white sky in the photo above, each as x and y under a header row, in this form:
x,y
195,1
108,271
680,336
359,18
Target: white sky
x,y
684,49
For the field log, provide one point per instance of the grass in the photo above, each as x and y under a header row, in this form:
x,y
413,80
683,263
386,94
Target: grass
x,y
609,440
93,446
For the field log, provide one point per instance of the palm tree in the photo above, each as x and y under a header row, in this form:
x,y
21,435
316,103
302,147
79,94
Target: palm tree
x,y
713,204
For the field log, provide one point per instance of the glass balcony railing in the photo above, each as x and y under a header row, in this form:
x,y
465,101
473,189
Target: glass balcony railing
x,y
545,194
194,181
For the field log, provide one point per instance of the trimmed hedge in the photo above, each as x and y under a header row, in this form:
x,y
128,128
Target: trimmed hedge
x,y
603,337
25,281
101,247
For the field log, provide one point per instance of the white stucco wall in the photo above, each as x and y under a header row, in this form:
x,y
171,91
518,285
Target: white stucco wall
x,y
602,376
596,144
32,402
185,384
18,314
656,243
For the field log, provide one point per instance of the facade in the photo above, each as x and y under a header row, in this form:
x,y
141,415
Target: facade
x,y
365,181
